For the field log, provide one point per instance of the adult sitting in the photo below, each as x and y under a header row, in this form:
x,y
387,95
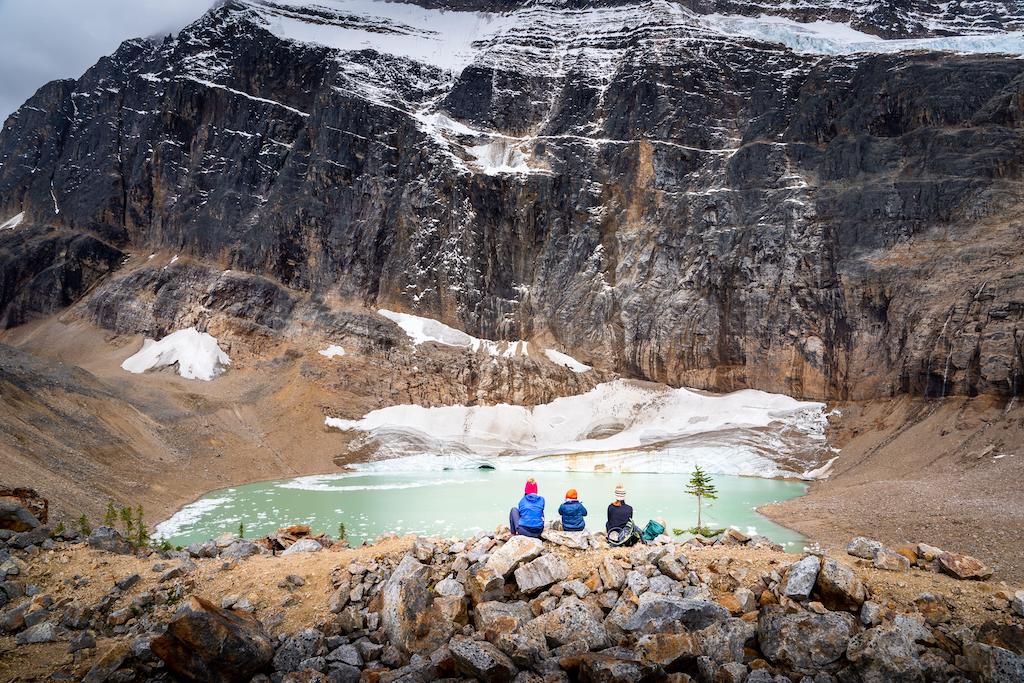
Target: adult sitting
x,y
619,513
572,512
527,518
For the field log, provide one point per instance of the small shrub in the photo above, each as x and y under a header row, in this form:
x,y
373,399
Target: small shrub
x,y
83,525
59,529
678,532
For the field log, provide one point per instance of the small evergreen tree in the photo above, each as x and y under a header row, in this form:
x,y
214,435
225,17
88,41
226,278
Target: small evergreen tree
x,y
128,522
700,486
141,532
83,525
341,531
110,518
241,530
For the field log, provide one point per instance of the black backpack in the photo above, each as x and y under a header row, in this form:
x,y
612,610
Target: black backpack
x,y
625,536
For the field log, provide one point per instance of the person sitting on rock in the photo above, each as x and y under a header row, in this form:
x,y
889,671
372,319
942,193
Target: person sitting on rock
x,y
572,512
527,518
619,513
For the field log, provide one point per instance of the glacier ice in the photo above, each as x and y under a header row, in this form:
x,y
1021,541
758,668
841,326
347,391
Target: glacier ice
x,y
197,354
622,425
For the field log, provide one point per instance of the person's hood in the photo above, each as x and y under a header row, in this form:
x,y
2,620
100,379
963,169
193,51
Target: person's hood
x,y
533,497
570,501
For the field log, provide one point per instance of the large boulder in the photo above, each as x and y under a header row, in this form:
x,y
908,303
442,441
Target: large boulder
x,y
493,618
16,517
298,648
541,573
863,547
612,573
205,643
24,539
109,540
888,653
800,578
990,664
803,641
516,550
963,566
408,614
481,660
573,620
839,588
727,641
239,549
303,545
577,540
669,614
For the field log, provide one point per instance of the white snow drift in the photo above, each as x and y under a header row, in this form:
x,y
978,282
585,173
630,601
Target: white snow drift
x,y
197,354
332,351
13,222
621,425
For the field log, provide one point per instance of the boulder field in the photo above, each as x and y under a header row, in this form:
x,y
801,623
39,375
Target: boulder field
x,y
497,607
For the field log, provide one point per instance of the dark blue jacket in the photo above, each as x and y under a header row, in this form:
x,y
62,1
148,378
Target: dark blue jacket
x,y
572,512
618,515
531,511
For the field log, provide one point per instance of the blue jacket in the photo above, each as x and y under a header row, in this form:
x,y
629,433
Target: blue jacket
x,y
531,511
572,512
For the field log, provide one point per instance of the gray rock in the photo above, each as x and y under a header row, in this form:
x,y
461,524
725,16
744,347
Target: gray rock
x,y
303,545
44,632
408,614
127,582
206,549
669,614
725,641
889,560
804,642
298,648
450,588
637,582
494,618
16,517
541,573
573,620
672,568
346,654
524,651
839,588
870,613
1017,603
109,540
990,664
83,641
886,653
32,537
577,540
800,578
514,552
481,660
612,574
240,549
863,547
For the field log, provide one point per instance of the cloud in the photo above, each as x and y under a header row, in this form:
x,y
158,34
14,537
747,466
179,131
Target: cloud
x,y
41,40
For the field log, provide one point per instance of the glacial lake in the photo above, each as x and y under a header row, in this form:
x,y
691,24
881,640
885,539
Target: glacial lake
x,y
462,502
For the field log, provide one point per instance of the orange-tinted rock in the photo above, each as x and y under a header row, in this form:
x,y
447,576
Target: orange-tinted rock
x,y
963,566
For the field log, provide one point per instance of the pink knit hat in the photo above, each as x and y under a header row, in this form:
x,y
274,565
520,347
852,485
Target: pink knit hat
x,y
531,486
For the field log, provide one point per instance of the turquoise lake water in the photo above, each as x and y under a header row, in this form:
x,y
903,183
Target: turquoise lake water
x,y
462,502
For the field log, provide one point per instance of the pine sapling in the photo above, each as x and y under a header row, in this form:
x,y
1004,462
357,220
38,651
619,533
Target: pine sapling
x,y
110,518
702,487
127,522
83,525
341,531
141,532
241,530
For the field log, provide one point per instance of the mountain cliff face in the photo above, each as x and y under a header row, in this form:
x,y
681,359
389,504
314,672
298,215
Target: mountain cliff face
x,y
714,194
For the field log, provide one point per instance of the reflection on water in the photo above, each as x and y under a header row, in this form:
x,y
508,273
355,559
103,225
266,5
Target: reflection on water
x,y
462,502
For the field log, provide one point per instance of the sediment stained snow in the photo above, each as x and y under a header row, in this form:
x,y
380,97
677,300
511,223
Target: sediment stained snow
x,y
332,351
621,425
564,359
197,355
335,483
13,221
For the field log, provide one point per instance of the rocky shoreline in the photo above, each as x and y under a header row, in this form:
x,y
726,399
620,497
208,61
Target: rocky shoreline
x,y
497,607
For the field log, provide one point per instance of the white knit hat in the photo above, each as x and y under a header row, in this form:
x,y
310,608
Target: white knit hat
x,y
620,492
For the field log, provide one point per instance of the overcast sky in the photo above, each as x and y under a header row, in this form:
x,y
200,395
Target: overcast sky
x,y
41,40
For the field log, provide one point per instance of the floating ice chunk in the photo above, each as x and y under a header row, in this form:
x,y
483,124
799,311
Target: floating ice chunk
x,y
187,515
332,351
13,222
568,361
197,354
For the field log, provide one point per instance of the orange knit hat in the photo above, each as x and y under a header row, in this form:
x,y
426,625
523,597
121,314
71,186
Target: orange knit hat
x,y
571,494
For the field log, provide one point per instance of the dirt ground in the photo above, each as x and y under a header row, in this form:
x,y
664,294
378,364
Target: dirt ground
x,y
949,473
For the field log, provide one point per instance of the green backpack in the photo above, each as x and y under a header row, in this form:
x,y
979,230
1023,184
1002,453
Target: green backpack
x,y
652,531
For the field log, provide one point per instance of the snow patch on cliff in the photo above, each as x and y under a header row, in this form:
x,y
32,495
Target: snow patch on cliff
x,y
568,361
832,38
421,330
332,351
13,222
619,426
197,355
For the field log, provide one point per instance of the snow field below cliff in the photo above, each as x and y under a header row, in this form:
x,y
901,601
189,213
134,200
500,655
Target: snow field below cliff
x,y
197,355
618,426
